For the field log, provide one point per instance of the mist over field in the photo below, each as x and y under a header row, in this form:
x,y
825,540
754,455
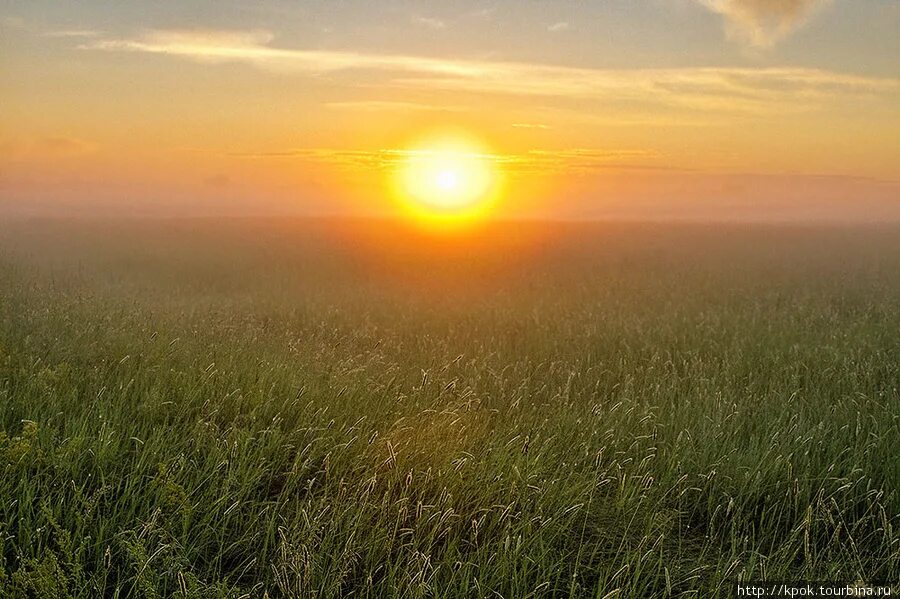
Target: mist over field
x,y
337,408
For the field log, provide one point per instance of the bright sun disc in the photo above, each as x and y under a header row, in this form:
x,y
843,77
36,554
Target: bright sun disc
x,y
447,180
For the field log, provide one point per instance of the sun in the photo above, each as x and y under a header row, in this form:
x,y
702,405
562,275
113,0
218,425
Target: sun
x,y
447,180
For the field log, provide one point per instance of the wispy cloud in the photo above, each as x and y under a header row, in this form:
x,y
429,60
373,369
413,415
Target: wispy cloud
x,y
392,106
15,23
252,47
72,33
533,161
430,22
578,160
483,13
18,23
54,146
762,23
557,27
708,89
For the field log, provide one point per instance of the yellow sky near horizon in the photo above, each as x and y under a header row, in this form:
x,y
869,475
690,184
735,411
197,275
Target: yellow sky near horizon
x,y
128,116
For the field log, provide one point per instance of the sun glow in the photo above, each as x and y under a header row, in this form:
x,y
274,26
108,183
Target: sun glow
x,y
447,180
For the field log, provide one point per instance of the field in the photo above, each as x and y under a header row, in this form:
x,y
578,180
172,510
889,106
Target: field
x,y
240,408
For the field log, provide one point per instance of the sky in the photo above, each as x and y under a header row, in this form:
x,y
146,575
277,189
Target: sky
x,y
756,110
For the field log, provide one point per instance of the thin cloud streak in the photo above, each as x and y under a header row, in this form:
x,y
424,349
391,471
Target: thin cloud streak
x,y
86,33
533,161
715,89
20,24
391,106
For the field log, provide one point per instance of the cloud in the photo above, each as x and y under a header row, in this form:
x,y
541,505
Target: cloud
x,y
430,22
483,13
252,47
722,89
578,160
557,27
762,23
18,23
11,22
573,160
392,106
72,33
53,147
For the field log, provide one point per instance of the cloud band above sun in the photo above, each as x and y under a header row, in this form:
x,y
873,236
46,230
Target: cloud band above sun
x,y
702,88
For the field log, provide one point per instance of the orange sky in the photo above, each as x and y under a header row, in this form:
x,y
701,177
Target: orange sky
x,y
672,109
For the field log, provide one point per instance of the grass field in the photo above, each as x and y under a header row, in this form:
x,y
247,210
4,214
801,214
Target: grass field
x,y
351,409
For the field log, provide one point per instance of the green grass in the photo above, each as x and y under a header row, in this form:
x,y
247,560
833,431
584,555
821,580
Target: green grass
x,y
321,409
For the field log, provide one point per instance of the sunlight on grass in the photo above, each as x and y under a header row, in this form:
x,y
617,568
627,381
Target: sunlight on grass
x,y
637,411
